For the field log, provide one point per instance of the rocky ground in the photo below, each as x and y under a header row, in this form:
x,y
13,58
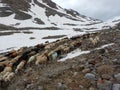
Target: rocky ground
x,y
97,70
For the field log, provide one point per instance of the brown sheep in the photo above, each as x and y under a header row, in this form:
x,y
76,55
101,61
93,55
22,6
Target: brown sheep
x,y
6,62
66,49
42,59
12,51
21,50
15,59
62,41
20,66
49,46
40,46
3,59
12,55
76,43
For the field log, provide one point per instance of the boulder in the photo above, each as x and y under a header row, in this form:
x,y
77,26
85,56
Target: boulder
x,y
116,87
104,85
106,76
90,76
117,76
62,86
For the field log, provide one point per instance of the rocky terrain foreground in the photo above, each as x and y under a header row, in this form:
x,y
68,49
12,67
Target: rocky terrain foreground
x,y
97,70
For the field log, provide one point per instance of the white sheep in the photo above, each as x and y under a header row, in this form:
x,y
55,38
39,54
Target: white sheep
x,y
20,66
5,72
4,76
10,76
94,40
31,59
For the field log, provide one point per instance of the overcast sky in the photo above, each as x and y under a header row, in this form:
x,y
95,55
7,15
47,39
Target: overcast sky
x,y
100,9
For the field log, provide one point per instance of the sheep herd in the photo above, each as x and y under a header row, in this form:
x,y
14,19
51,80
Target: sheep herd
x,y
13,62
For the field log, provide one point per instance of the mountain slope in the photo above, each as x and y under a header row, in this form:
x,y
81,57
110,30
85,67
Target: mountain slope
x,y
40,13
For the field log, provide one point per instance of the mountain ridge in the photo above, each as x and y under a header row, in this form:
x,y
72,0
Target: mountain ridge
x,y
39,12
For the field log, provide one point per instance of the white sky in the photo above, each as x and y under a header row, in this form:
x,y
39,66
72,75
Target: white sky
x,y
100,9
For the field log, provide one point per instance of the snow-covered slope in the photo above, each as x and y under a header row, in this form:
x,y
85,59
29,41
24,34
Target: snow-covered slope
x,y
39,14
42,15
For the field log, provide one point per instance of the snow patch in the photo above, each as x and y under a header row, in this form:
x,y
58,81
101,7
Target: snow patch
x,y
78,52
73,54
18,40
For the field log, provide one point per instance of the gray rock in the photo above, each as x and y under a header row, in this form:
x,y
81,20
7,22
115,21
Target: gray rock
x,y
116,61
29,86
17,89
62,86
90,76
91,88
117,76
106,76
116,87
87,70
106,85
40,88
75,74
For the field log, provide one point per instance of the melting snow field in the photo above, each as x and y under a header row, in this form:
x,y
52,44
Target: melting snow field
x,y
18,40
78,52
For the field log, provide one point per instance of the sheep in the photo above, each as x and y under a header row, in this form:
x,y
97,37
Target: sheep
x,y
3,59
15,59
2,67
20,66
12,51
75,37
52,55
42,59
5,72
14,54
31,59
4,76
66,49
4,62
21,50
63,48
97,38
48,46
8,68
1,56
10,76
76,43
32,53
94,40
87,35
40,46
62,41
